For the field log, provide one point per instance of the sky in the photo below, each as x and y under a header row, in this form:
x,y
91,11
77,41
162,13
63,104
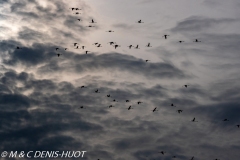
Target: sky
x,y
41,93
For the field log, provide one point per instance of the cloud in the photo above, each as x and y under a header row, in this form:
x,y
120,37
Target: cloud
x,y
198,24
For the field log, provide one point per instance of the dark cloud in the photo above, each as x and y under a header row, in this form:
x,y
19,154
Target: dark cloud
x,y
197,24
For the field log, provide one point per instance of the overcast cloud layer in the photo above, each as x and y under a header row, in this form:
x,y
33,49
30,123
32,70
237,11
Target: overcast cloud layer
x,y
41,94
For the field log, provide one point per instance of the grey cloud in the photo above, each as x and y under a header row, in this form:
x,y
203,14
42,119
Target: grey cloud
x,y
196,24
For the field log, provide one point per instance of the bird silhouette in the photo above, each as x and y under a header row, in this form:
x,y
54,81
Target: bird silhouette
x,y
186,85
174,157
115,100
173,105
165,36
110,106
18,47
147,60
137,47
140,21
180,41
194,120
82,86
110,31
155,109
130,107
77,13
196,40
83,47
238,125
97,91
127,100
139,102
130,46
225,120
162,152
58,54
148,45
72,9
77,9
111,43
99,45
75,44
108,95
65,49
79,20
95,43
77,47
90,26
116,45
93,21
81,107
179,111
87,52
57,49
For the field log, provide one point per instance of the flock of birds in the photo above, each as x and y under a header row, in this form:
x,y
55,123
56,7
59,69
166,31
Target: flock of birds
x,y
115,45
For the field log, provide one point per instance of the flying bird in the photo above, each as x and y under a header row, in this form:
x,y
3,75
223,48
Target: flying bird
x,y
137,47
225,120
130,46
179,111
127,100
147,60
99,45
93,21
173,105
115,46
108,95
194,120
79,19
139,102
83,47
111,43
87,52
65,49
82,86
148,45
75,44
57,49
180,41
97,91
110,31
77,13
186,85
165,36
95,43
81,107
115,100
110,106
238,125
58,54
130,107
155,109
162,152
196,40
140,21
90,26
18,47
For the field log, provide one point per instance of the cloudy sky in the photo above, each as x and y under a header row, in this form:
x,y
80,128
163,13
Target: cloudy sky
x,y
41,93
